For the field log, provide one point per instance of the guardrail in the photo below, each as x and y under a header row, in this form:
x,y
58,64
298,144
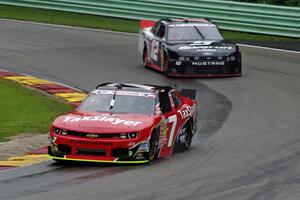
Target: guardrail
x,y
245,17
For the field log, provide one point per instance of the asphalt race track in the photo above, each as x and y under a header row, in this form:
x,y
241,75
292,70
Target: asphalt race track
x,y
247,146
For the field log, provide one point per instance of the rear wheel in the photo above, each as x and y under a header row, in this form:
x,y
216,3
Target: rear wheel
x,y
188,135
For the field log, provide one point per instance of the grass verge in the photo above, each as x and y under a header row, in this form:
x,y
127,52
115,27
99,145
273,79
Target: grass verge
x,y
26,111
108,23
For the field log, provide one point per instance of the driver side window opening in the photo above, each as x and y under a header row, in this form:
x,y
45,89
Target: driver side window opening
x,y
161,31
164,101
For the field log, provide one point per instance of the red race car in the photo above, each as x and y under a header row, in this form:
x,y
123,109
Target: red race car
x,y
125,123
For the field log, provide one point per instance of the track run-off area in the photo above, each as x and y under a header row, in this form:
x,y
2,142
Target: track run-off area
x,y
248,141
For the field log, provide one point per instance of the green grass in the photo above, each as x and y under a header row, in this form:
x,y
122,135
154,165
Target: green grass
x,y
23,110
99,22
68,18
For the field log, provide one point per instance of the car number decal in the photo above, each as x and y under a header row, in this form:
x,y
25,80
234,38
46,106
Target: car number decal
x,y
172,119
154,50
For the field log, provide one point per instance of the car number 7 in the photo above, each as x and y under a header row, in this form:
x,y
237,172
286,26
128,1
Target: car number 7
x,y
172,119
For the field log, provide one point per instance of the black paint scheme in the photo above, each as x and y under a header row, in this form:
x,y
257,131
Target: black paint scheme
x,y
189,47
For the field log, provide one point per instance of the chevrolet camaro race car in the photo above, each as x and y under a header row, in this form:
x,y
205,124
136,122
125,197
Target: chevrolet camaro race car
x,y
188,48
125,123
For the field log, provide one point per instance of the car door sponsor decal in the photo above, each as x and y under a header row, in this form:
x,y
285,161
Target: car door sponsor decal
x,y
186,112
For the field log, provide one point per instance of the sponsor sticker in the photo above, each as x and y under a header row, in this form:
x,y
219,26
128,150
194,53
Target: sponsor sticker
x,y
182,135
178,63
187,112
144,147
191,24
127,93
208,63
90,143
102,118
201,43
205,47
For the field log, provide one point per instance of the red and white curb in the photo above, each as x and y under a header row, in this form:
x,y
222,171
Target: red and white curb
x,y
71,95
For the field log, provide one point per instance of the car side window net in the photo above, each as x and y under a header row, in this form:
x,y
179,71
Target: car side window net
x,y
161,31
176,100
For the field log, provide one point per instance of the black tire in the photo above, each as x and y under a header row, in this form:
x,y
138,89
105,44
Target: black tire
x,y
188,135
240,63
153,143
145,56
166,68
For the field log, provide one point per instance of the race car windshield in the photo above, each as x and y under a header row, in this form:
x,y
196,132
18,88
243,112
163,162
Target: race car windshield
x,y
191,32
127,104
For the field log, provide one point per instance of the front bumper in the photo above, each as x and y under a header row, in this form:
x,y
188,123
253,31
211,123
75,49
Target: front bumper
x,y
204,68
97,150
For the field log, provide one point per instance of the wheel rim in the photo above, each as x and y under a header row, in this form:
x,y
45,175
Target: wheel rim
x,y
152,148
188,136
145,58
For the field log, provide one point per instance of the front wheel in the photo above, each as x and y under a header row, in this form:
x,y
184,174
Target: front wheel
x,y
153,145
145,58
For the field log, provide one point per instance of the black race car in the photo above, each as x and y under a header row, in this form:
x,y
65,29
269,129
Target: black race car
x,y
188,47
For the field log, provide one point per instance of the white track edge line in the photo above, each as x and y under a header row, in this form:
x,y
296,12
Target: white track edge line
x,y
268,48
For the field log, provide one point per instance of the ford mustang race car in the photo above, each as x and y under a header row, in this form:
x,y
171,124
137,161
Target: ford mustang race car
x,y
188,48
125,123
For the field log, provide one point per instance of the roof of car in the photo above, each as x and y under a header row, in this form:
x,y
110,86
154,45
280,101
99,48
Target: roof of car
x,y
133,87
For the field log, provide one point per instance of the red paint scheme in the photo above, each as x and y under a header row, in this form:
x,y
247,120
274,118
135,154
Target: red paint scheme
x,y
109,123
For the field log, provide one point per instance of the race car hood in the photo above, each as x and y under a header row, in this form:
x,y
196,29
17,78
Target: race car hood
x,y
96,122
202,48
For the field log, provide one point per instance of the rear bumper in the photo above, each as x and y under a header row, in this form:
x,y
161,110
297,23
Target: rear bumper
x,y
204,75
97,150
210,69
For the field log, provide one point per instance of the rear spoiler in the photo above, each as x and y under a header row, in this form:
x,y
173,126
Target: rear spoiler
x,y
189,93
146,23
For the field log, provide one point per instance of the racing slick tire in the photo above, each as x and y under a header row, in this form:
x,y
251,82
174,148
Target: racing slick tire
x,y
166,69
145,57
240,63
188,132
153,146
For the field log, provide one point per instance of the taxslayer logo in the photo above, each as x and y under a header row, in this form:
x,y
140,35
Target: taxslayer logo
x,y
102,118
